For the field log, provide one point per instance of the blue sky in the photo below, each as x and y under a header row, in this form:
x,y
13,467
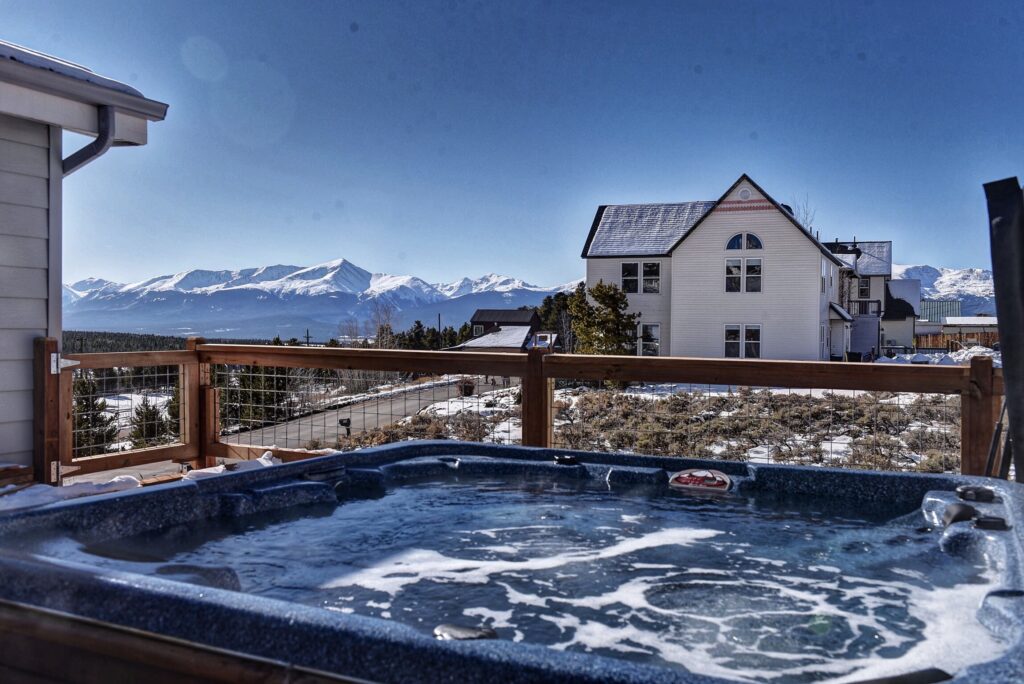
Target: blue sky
x,y
458,138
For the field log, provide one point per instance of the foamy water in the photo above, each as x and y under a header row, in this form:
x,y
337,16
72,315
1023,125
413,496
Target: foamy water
x,y
734,588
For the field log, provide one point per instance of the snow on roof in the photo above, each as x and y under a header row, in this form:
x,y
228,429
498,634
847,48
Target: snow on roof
x,y
875,257
510,336
840,311
643,229
969,320
40,60
907,290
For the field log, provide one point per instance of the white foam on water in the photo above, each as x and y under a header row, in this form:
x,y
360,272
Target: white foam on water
x,y
415,565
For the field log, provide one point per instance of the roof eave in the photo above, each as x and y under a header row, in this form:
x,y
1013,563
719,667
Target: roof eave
x,y
79,90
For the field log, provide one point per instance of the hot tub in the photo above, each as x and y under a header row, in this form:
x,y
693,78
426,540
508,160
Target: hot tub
x,y
585,568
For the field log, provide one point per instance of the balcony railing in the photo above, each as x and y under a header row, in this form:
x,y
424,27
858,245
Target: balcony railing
x,y
865,307
213,402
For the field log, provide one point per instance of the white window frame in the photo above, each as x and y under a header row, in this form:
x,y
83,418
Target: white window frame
x,y
640,339
742,342
743,242
743,275
478,330
638,278
860,294
644,279
759,343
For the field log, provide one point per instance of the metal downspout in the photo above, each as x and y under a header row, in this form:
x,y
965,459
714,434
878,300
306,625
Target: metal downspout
x,y
1006,217
95,149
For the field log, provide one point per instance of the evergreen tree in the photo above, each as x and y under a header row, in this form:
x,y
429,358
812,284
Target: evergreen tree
x,y
93,428
416,336
600,322
148,425
174,412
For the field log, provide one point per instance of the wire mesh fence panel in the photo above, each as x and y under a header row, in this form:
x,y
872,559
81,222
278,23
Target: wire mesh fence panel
x,y
314,408
121,409
836,428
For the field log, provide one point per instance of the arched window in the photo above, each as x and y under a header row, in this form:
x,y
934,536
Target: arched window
x,y
744,240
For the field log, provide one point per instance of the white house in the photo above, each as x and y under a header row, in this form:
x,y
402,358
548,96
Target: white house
x,y
737,277
40,97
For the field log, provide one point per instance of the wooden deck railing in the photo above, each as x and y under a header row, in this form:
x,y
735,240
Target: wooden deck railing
x,y
979,387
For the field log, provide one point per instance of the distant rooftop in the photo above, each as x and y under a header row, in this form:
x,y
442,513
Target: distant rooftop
x,y
935,310
874,258
503,316
509,336
970,320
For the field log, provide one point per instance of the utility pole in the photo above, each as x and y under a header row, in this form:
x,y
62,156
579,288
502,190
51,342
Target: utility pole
x,y
307,337
440,342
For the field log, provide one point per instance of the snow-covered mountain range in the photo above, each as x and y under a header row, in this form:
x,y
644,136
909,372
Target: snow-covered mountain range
x,y
972,286
285,300
336,296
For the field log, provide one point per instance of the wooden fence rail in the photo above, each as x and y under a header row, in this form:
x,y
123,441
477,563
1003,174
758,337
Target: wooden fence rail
x,y
978,385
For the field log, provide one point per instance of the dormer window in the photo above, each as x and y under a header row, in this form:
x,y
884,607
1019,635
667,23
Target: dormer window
x,y
744,241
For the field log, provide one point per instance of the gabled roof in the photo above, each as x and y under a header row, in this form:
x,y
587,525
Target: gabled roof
x,y
504,316
642,229
635,230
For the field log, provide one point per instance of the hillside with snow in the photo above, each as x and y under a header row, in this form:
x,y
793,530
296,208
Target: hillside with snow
x,y
972,286
284,300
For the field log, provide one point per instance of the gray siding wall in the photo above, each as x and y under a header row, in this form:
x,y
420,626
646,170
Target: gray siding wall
x,y
27,164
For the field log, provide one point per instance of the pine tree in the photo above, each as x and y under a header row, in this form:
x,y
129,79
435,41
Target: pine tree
x,y
174,412
94,430
148,425
600,321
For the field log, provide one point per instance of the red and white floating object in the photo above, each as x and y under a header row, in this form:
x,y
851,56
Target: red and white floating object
x,y
701,479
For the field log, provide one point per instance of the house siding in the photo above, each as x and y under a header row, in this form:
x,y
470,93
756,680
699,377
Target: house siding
x,y
29,186
653,308
789,307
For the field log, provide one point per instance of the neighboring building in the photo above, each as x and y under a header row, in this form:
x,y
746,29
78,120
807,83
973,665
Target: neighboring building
x,y
509,338
934,310
884,310
735,277
485,321
40,98
957,332
740,277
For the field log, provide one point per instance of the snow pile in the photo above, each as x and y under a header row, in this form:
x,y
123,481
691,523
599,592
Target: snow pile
x,y
961,357
266,460
13,498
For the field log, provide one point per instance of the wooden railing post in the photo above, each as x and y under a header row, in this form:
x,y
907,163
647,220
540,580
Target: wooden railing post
x,y
977,417
193,423
537,393
47,413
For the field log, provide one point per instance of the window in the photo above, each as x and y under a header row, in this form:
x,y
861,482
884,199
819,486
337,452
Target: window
x,y
733,273
650,339
732,341
742,341
741,240
753,270
743,275
631,346
824,268
864,288
630,278
652,277
752,341
478,330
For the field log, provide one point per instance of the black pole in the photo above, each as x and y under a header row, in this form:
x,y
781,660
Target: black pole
x,y
1006,224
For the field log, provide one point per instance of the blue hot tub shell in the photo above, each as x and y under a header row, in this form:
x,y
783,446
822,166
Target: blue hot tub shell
x,y
382,650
